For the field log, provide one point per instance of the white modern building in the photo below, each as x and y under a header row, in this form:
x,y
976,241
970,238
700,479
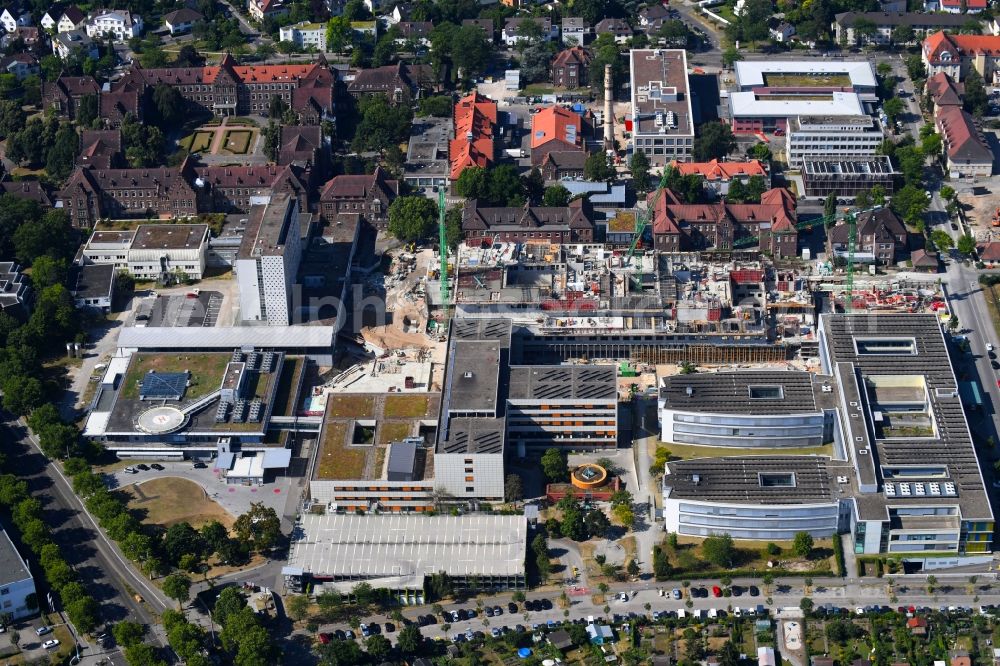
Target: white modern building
x,y
72,18
768,498
152,250
268,262
795,75
17,586
181,20
305,35
118,24
760,409
662,120
832,136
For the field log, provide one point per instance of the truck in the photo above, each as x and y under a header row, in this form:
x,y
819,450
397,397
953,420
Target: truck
x,y
516,152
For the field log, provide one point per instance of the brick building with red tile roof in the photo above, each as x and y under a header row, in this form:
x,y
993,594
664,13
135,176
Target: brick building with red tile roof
x,y
474,144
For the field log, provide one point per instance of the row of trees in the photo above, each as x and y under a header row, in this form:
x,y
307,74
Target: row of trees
x,y
26,514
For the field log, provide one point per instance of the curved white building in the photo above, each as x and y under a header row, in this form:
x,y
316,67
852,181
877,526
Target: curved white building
x,y
766,409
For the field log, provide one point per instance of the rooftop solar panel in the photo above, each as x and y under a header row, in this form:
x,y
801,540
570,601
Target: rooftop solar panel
x,y
163,385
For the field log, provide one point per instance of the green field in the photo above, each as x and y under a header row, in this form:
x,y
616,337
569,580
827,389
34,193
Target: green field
x,y
206,372
807,80
237,142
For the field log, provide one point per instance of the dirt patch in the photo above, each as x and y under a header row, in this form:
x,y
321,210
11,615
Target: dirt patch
x,y
393,432
171,500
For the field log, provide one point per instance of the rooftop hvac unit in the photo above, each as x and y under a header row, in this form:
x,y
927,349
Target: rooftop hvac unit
x,y
659,119
689,391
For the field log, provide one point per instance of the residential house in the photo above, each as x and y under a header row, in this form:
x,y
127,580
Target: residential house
x,y
716,176
65,44
21,65
989,253
181,20
943,91
555,129
72,18
484,24
887,22
401,12
620,28
305,35
781,31
959,658
350,198
917,625
12,18
28,34
26,189
571,68
652,18
64,94
93,285
15,293
401,83
528,224
966,151
961,7
769,225
414,32
880,238
513,33
560,640
474,145
50,19
926,262
101,149
563,165
955,54
574,31
259,9
119,25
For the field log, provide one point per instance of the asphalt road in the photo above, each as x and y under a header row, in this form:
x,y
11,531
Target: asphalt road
x,y
100,567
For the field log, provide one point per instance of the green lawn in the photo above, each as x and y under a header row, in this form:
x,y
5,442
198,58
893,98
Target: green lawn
x,y
237,142
338,460
206,372
688,451
405,406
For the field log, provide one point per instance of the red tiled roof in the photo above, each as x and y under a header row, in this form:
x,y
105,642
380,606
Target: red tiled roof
x,y
576,55
557,123
943,90
358,186
969,4
475,119
959,45
961,138
990,251
716,170
777,207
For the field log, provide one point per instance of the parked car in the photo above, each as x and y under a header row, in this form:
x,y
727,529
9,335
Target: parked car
x,y
158,467
51,643
754,592
42,630
676,593
325,638
143,466
511,608
130,470
716,591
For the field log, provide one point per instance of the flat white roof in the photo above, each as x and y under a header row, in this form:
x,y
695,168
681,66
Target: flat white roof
x,y
752,72
277,337
409,546
250,467
747,104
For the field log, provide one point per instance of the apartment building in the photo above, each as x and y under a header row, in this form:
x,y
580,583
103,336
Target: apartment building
x,y
118,25
886,23
474,145
305,35
966,151
571,68
18,596
880,237
832,136
268,262
526,224
662,121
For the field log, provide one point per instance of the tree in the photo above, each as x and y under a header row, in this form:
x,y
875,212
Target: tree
x,y
513,490
378,647
153,57
806,604
910,203
975,99
297,606
597,168
606,52
128,633
902,34
472,183
178,588
719,550
260,525
412,218
410,641
535,61
639,166
624,514
181,539
505,187
596,523
22,394
188,56
661,565
341,653
256,647
632,568
731,56
830,205
760,151
715,142
941,240
802,544
47,271
12,118
554,465
169,104
893,108
439,106
53,235
966,244
556,196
